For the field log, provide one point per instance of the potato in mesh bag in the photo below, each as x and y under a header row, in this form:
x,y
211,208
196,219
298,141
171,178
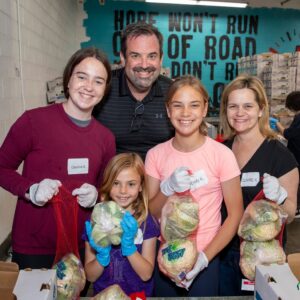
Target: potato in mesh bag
x,y
113,292
70,277
179,217
105,220
262,221
177,258
259,253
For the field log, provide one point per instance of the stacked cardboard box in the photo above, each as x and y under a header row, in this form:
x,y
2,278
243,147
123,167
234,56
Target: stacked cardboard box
x,y
275,77
55,93
280,74
294,64
254,65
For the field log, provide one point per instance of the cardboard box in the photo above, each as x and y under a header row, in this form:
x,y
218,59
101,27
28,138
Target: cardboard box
x,y
275,282
8,277
55,82
36,284
56,94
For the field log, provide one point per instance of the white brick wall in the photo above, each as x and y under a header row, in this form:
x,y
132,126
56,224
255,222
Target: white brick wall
x,y
48,36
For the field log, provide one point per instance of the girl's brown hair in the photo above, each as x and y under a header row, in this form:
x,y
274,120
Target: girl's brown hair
x,y
193,82
253,83
77,58
117,164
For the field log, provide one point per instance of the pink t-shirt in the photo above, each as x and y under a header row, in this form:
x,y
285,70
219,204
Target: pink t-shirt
x,y
210,164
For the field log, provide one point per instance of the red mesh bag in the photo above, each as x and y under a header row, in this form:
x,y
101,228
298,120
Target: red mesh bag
x,y
66,210
261,231
219,138
259,203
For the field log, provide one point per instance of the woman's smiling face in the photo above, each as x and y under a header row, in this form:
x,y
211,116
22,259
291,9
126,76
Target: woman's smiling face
x,y
242,110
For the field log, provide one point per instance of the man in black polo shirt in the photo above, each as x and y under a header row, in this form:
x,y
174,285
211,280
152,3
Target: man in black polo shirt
x,y
135,108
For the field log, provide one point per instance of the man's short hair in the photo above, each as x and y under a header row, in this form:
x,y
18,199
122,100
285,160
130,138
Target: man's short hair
x,y
138,29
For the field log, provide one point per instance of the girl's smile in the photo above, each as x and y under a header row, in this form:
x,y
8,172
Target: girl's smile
x,y
126,188
186,110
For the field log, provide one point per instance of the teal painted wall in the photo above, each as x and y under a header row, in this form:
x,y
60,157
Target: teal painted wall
x,y
198,40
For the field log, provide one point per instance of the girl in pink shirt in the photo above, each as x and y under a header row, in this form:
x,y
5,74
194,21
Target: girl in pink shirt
x,y
193,161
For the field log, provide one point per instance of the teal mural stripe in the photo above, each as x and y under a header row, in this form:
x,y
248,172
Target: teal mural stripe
x,y
202,41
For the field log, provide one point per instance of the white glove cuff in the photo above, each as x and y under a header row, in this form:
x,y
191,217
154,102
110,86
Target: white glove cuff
x,y
94,201
165,188
32,192
205,259
282,195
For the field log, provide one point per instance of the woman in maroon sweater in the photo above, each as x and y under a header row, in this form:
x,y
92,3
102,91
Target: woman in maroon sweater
x,y
58,144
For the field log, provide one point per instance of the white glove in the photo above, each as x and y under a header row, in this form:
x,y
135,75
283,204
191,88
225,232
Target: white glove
x,y
179,181
86,195
41,193
273,190
201,263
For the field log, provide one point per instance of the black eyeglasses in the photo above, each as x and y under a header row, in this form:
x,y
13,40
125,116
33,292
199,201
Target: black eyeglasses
x,y
136,121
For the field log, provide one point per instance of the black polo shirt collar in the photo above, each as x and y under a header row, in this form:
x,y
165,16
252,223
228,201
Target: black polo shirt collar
x,y
124,90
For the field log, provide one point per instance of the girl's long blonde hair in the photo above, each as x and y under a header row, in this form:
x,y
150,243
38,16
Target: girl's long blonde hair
x,y
117,164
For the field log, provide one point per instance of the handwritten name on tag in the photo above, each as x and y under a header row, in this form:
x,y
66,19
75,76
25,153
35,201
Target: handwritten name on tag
x,y
199,178
78,166
250,179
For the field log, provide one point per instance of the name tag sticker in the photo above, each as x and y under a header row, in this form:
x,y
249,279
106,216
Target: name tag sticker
x,y
199,179
247,285
78,166
250,179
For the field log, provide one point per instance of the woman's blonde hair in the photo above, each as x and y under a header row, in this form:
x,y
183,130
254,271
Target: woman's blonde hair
x,y
253,83
196,84
117,164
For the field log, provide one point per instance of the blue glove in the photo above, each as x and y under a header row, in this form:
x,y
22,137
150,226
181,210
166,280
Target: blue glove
x,y
272,122
102,253
130,228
